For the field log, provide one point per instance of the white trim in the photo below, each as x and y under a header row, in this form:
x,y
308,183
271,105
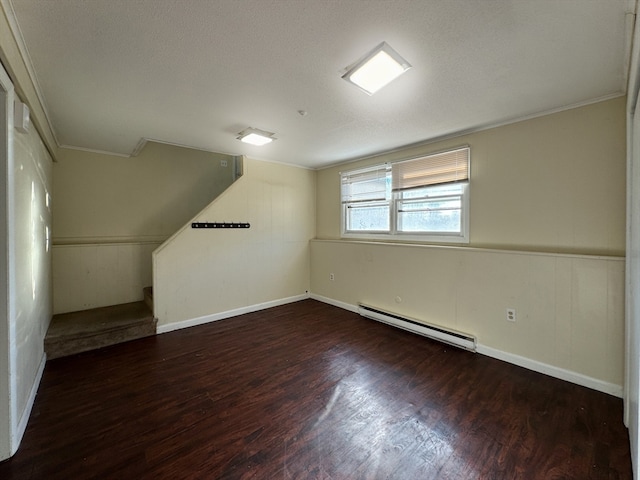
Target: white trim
x,y
24,418
469,131
275,162
140,146
552,371
143,143
583,256
93,241
94,150
10,14
335,303
144,140
632,293
534,365
8,404
170,327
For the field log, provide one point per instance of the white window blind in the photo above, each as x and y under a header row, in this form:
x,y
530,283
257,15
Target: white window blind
x,y
439,168
365,185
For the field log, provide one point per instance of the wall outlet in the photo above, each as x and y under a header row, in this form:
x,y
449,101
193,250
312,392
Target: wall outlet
x,y
223,163
511,314
332,277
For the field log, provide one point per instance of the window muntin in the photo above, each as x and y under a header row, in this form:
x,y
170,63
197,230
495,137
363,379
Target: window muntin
x,y
417,199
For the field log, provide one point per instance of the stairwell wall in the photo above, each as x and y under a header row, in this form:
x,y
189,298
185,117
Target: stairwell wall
x,y
201,275
112,212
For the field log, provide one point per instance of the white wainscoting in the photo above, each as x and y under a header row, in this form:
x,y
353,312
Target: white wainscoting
x,y
94,274
570,308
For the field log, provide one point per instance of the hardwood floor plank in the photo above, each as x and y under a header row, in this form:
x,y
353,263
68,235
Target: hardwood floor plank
x,y
310,391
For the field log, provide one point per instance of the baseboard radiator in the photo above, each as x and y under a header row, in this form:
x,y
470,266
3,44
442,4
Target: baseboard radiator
x,y
445,335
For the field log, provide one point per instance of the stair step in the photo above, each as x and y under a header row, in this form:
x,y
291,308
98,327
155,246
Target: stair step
x,y
148,297
75,332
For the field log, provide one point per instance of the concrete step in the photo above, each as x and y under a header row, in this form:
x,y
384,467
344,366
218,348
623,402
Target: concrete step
x,y
75,332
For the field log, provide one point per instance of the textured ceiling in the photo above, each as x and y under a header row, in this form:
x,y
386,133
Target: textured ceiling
x,y
197,72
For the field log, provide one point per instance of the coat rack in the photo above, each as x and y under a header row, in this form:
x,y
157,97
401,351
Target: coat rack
x,y
219,225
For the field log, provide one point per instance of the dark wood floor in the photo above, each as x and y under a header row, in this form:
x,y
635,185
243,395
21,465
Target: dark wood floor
x,y
309,391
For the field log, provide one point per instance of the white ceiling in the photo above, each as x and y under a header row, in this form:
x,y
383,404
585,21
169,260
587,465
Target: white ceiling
x,y
197,72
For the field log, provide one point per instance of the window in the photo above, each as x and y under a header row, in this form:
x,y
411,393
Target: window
x,y
423,199
366,196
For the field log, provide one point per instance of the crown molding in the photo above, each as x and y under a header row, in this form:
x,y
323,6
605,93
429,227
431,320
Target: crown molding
x,y
15,57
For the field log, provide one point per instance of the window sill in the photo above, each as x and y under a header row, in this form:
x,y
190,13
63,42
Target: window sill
x,y
408,238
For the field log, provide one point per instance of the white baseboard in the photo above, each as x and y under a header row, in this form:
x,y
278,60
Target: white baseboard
x,y
335,303
26,413
552,371
534,365
170,327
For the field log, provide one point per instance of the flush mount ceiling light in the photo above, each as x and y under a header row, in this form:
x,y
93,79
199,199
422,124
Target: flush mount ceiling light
x,y
256,137
376,69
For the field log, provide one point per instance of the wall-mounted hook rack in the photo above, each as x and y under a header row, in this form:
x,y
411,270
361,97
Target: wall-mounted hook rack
x,y
219,225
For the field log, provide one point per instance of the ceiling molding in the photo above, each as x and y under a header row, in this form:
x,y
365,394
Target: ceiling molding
x,y
102,97
630,33
481,128
93,150
21,69
144,140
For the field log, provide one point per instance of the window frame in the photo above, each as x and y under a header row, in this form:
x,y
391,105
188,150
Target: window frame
x,y
394,203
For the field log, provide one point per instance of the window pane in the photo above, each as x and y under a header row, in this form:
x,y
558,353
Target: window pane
x,y
430,215
368,217
367,190
454,189
429,221
370,184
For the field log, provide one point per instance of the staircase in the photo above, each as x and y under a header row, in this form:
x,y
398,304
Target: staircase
x,y
75,332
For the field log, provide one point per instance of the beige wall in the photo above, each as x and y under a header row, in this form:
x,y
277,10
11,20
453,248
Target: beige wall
x,y
551,184
554,183
201,273
111,212
96,275
106,197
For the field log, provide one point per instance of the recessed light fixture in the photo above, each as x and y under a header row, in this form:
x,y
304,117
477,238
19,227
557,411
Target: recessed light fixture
x,y
376,69
256,137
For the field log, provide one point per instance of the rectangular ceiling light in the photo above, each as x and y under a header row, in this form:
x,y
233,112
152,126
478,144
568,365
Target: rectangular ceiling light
x,y
377,69
256,137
